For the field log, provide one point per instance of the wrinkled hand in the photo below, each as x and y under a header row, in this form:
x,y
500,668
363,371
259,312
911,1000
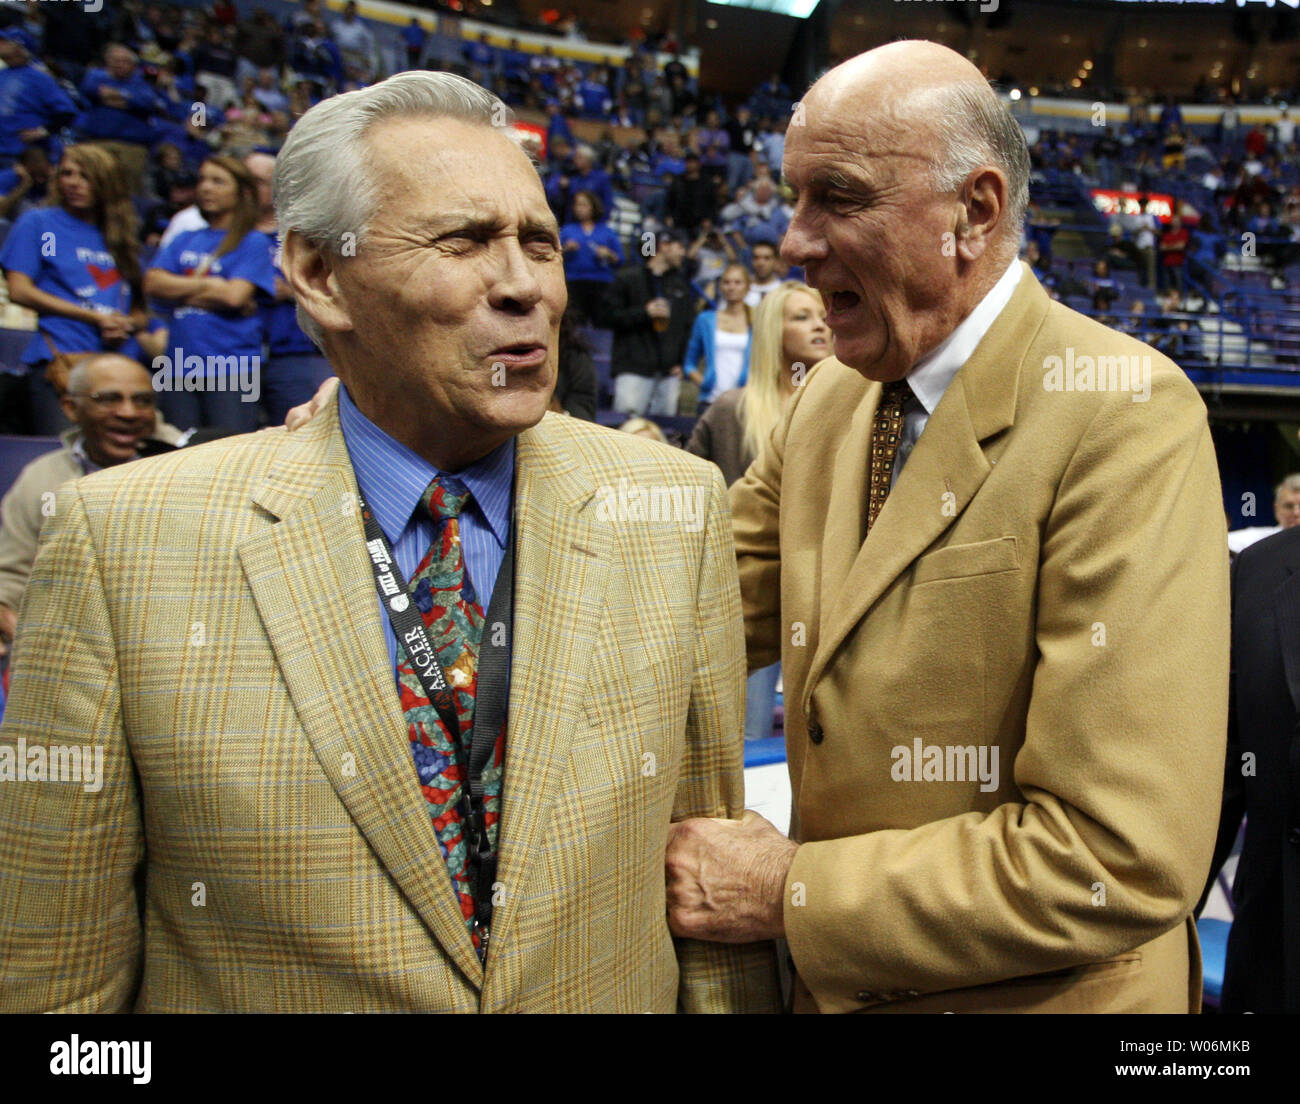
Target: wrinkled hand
x,y
726,879
299,416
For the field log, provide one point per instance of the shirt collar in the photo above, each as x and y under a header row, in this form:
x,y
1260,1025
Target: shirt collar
x,y
77,444
930,376
392,477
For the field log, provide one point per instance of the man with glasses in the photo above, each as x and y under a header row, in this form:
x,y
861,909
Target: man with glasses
x,y
111,402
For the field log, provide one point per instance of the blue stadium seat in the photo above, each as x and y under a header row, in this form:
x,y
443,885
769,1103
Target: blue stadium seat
x,y
12,344
759,753
1214,953
17,452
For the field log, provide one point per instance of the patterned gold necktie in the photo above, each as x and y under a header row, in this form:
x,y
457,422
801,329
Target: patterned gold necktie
x,y
886,434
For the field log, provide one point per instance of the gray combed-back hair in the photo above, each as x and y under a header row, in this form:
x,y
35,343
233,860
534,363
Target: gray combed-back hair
x,y
323,188
975,128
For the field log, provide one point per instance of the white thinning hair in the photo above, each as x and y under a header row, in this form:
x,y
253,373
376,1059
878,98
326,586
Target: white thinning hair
x,y
323,189
974,129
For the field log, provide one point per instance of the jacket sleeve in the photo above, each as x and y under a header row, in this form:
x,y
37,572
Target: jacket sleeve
x,y
1120,767
626,311
756,516
580,393
20,529
1234,783
717,977
70,933
695,345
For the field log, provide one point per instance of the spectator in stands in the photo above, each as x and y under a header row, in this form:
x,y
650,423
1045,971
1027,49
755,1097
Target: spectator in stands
x,y
268,93
1286,512
592,254
1284,130
586,176
355,41
1171,116
763,260
112,406
771,99
1256,141
714,145
1104,288
1145,225
1135,322
24,186
710,252
1176,337
692,197
33,105
212,277
1108,152
774,140
259,47
1175,145
75,263
649,310
1268,234
414,36
215,66
720,339
760,215
789,336
315,57
644,427
295,366
575,373
1173,255
742,133
122,105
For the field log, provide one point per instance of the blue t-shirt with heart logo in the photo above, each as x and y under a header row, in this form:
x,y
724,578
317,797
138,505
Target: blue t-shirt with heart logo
x,y
66,257
218,333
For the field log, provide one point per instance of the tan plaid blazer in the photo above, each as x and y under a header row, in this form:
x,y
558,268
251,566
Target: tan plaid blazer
x,y
260,843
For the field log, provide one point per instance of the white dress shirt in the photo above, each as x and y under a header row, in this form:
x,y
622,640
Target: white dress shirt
x,y
930,376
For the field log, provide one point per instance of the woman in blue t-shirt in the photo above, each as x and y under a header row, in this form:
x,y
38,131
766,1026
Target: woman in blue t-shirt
x,y
211,375
76,264
592,252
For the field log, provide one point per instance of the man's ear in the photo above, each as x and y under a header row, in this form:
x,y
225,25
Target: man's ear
x,y
983,208
68,407
311,272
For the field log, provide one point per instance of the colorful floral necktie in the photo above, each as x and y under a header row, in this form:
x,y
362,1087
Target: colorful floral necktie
x,y
453,617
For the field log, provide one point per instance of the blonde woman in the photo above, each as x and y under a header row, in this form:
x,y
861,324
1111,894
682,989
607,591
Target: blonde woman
x,y
790,335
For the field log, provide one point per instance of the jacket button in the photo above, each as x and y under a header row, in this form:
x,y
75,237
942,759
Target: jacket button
x,y
815,733
1293,837
866,995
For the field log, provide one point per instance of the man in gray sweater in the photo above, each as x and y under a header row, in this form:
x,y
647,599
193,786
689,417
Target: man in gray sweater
x,y
111,401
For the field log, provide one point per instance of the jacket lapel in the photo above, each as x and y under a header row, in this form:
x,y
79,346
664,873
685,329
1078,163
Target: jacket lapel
x,y
1286,601
312,583
941,476
563,560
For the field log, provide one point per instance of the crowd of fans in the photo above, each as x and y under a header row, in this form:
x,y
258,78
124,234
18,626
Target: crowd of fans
x,y
1236,210
151,156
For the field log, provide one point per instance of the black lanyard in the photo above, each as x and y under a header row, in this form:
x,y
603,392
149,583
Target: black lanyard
x,y
490,697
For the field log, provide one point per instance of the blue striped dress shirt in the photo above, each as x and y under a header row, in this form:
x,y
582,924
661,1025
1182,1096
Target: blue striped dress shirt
x,y
392,478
